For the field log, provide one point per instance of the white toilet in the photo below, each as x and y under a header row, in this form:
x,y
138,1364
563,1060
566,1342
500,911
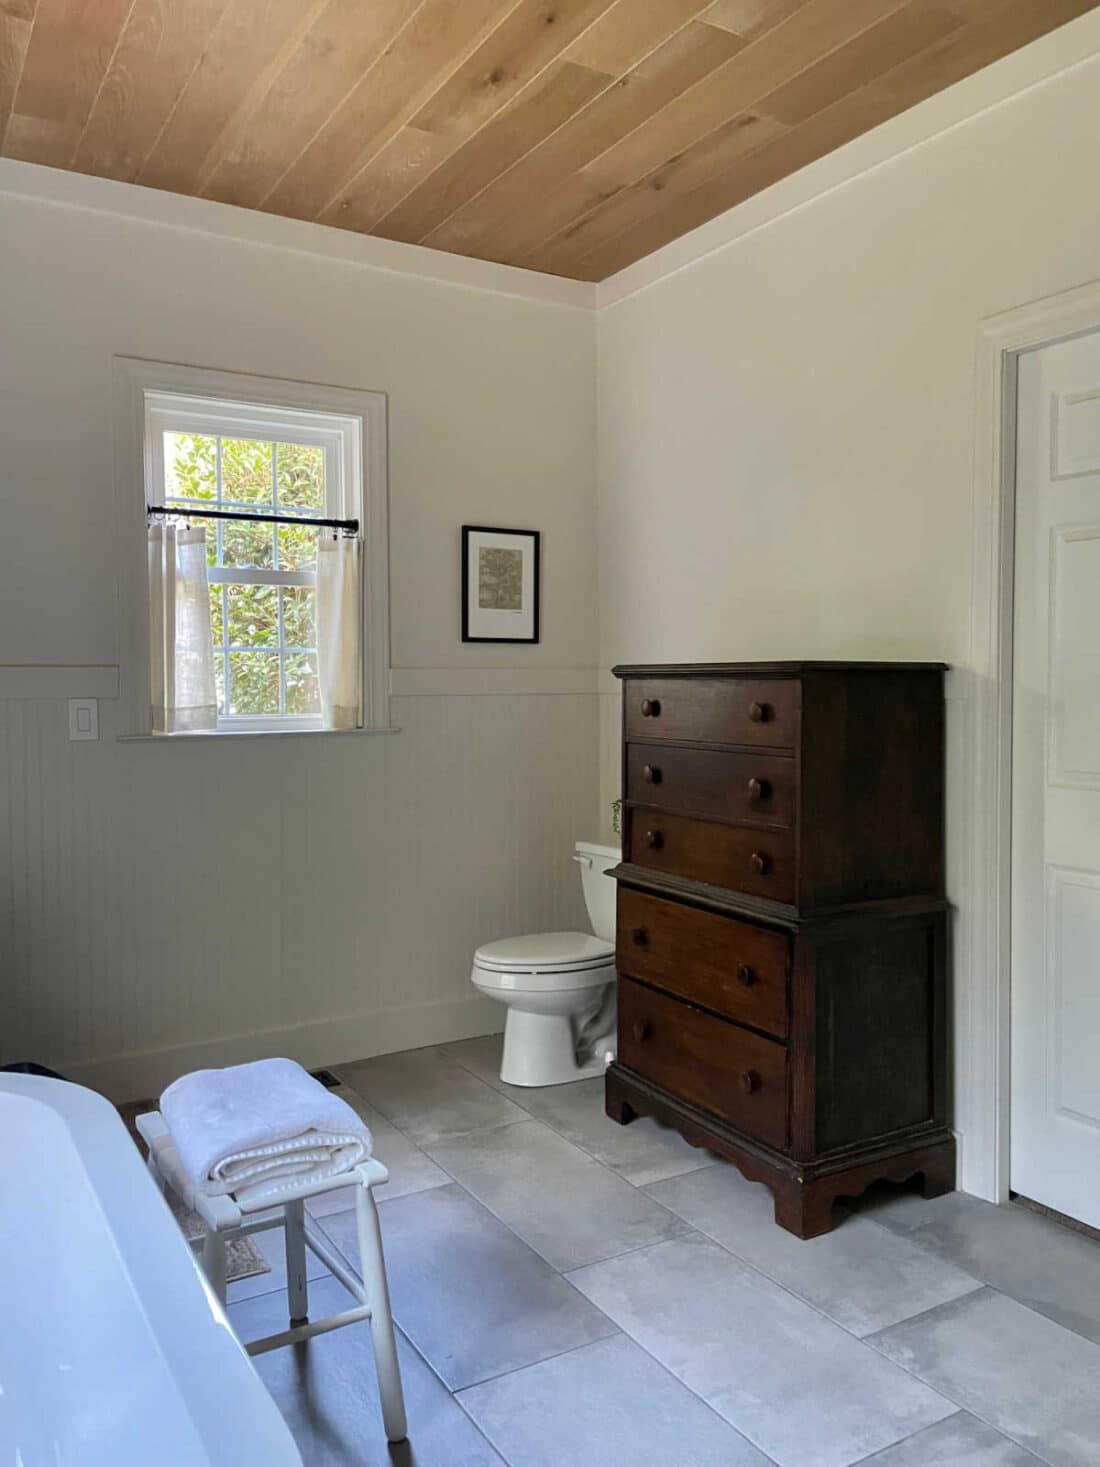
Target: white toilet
x,y
557,987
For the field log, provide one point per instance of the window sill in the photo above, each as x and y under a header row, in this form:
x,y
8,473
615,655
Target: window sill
x,y
216,735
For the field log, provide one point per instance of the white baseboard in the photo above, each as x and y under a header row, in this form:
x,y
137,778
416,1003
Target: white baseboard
x,y
326,1042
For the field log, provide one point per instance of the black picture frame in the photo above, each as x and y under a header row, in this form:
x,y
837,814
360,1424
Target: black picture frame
x,y
535,536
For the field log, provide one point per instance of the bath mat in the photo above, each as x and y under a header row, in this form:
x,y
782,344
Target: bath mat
x,y
243,1260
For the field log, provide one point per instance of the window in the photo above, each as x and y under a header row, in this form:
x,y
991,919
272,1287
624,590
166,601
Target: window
x,y
257,476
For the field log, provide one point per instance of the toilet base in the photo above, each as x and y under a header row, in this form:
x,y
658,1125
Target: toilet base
x,y
539,1050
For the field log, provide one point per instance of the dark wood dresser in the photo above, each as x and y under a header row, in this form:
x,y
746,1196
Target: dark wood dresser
x,y
782,923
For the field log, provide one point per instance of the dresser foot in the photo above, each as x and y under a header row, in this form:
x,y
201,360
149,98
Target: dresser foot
x,y
938,1176
616,1104
804,1209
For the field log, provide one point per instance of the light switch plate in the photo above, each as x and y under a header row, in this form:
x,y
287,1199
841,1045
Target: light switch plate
x,y
83,718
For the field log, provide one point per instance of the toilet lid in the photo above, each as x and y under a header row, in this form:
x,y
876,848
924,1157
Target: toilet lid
x,y
545,952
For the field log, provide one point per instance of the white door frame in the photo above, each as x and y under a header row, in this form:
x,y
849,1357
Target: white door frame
x,y
983,1088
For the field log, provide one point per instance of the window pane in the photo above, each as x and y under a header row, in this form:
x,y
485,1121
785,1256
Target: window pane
x,y
253,616
246,544
219,681
190,466
299,612
246,470
302,692
254,683
301,476
217,625
297,547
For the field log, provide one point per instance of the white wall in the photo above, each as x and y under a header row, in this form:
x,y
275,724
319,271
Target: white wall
x,y
786,426
164,904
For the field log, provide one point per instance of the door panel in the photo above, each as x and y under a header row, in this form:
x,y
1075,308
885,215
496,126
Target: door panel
x,y
1056,782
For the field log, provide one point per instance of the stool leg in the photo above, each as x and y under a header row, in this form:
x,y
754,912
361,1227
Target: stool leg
x,y
297,1290
213,1262
373,1265
154,1171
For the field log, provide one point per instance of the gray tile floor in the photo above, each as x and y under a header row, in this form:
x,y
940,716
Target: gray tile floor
x,y
571,1293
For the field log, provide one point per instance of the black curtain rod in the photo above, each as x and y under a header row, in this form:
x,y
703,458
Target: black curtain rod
x,y
351,526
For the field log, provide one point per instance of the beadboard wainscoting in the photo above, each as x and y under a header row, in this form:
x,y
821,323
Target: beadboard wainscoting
x,y
216,900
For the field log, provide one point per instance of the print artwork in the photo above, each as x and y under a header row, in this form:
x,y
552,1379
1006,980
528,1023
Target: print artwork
x,y
499,579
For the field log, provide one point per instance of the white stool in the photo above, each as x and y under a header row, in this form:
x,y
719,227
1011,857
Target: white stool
x,y
224,1219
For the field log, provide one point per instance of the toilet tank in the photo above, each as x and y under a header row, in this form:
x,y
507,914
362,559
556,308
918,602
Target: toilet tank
x,y
599,890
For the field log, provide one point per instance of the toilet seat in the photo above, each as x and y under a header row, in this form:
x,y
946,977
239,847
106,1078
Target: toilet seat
x,y
544,954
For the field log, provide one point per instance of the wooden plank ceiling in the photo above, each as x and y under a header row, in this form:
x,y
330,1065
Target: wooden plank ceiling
x,y
570,136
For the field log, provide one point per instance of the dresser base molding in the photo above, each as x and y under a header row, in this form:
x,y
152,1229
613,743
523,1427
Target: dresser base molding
x,y
804,1193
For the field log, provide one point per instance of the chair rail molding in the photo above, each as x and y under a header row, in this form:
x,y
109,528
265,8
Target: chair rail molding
x,y
983,1017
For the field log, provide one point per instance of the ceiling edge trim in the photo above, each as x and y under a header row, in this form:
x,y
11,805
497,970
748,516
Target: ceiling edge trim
x,y
1072,45
59,187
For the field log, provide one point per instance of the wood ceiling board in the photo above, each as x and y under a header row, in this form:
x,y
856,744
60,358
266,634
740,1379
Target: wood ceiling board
x,y
16,21
792,150
542,108
159,48
750,17
501,75
900,35
69,51
819,27
528,39
543,192
572,136
869,55
251,43
712,155
561,128
627,32
1004,25
340,47
438,37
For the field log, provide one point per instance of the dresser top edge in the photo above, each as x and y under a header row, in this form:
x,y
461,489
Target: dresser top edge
x,y
767,669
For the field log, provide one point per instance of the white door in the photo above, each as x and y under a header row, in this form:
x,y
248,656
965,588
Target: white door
x,y
1056,782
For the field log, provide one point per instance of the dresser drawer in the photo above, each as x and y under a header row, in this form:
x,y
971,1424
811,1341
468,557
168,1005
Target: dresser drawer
x,y
717,962
753,789
708,1062
760,862
712,710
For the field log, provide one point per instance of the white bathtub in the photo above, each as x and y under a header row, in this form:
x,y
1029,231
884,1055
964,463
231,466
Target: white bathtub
x,y
112,1348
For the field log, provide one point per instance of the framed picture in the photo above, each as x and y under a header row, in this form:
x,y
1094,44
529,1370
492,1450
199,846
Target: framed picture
x,y
500,585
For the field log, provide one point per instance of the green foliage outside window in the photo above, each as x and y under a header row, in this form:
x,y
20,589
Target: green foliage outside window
x,y
265,638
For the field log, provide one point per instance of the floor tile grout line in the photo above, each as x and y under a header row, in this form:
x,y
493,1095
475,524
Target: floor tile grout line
x,y
615,1329
700,1232
787,1289
881,1452
638,1186
912,1234
963,1406
609,1170
529,1117
620,1333
616,1333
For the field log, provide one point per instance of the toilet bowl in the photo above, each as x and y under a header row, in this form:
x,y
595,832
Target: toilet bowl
x,y
558,987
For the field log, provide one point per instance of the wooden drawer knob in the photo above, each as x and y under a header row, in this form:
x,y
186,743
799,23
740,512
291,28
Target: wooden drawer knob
x,y
651,707
639,937
750,1082
745,975
759,863
651,774
654,840
641,1030
759,712
759,789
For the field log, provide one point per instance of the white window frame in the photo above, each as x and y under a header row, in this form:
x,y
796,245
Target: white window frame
x,y
154,397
